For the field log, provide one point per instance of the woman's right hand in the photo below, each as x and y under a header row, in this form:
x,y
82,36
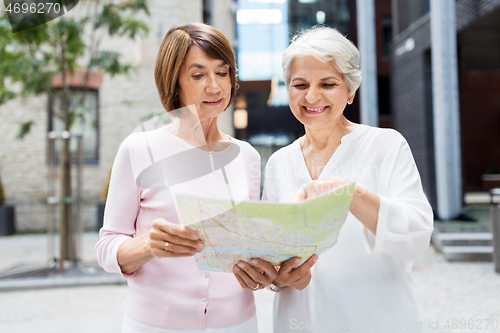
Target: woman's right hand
x,y
173,240
165,239
294,274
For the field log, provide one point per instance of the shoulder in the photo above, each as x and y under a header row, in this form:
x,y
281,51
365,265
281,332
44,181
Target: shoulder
x,y
283,155
246,149
143,139
383,138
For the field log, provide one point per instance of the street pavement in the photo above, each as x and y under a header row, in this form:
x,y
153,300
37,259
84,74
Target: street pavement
x,y
452,297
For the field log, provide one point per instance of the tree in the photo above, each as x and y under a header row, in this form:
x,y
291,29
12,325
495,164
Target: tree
x,y
33,57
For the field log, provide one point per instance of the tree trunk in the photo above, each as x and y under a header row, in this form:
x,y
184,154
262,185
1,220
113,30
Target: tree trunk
x,y
67,229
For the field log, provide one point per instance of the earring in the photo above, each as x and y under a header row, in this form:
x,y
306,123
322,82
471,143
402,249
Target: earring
x,y
350,101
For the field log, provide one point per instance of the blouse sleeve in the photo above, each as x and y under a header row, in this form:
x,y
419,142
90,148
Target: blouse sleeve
x,y
405,218
122,208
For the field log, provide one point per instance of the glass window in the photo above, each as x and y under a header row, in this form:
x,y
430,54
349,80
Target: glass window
x,y
84,121
304,14
409,12
207,12
386,36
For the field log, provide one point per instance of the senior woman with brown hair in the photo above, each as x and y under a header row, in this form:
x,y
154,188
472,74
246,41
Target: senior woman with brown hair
x,y
363,283
143,237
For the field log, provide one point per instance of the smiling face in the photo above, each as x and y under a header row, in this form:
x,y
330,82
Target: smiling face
x,y
318,93
204,82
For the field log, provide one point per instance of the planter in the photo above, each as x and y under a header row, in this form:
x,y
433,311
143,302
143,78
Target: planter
x,y
490,181
7,220
100,215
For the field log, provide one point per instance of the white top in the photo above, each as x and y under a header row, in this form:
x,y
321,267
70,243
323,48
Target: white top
x,y
363,283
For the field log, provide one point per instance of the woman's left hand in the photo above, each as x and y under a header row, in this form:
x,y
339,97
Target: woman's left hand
x,y
253,279
364,206
317,187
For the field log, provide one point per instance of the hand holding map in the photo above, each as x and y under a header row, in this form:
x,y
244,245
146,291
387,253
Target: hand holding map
x,y
273,232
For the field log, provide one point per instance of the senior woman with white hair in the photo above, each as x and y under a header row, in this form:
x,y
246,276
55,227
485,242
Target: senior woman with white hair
x,y
364,282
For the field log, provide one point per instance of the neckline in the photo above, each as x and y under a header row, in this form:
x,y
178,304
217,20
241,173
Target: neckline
x,y
231,142
344,144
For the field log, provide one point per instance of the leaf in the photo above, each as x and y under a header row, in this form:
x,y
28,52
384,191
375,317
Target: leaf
x,y
109,63
133,27
25,129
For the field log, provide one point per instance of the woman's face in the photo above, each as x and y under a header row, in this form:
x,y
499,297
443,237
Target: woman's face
x,y
205,83
318,93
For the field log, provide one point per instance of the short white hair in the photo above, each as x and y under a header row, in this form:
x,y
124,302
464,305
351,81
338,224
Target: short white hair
x,y
325,44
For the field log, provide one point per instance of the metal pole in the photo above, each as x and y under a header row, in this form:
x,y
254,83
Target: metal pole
x,y
51,198
78,229
365,14
446,109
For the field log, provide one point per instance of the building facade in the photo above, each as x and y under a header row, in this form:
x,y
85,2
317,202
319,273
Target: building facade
x,y
478,56
122,104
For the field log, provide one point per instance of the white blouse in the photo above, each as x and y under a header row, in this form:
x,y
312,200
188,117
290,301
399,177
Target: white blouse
x,y
363,283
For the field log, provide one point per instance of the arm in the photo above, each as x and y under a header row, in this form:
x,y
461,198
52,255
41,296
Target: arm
x,y
398,219
164,240
364,205
405,218
118,250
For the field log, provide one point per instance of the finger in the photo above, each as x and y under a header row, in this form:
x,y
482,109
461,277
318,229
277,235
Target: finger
x,y
268,269
174,248
240,280
304,269
196,246
176,229
300,194
161,253
303,282
290,270
173,233
160,238
287,266
254,274
250,283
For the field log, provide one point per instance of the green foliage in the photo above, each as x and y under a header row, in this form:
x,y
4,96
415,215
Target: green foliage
x,y
25,129
32,57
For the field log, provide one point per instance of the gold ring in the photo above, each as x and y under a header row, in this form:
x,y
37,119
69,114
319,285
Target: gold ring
x,y
166,246
256,287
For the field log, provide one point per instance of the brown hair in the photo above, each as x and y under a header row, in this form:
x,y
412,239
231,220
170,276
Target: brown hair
x,y
173,50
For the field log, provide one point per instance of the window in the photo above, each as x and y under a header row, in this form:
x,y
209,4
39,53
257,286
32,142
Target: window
x,y
408,12
207,12
386,36
84,106
304,14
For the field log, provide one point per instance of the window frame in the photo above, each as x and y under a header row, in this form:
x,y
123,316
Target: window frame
x,y
50,124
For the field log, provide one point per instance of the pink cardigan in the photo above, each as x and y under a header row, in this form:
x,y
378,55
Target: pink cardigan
x,y
172,293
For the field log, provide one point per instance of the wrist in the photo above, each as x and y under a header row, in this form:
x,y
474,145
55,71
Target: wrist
x,y
274,288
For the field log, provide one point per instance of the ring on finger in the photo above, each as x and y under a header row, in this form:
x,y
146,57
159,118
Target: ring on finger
x,y
166,246
256,287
